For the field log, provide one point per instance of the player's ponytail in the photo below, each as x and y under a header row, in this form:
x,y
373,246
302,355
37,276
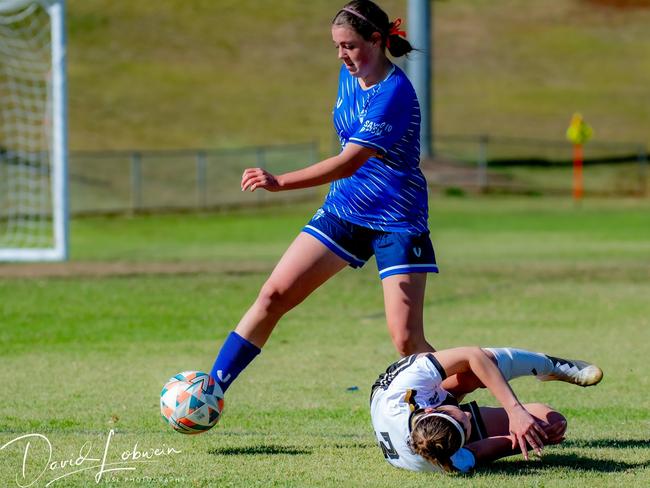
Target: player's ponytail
x,y
436,440
396,43
366,18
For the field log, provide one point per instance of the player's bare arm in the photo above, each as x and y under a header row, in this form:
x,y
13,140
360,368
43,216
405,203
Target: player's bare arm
x,y
340,166
523,427
499,446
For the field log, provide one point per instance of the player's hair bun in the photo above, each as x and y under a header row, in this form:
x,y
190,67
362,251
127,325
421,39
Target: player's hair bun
x,y
398,46
366,18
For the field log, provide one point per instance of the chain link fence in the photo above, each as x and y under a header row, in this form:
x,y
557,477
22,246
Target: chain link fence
x,y
201,179
196,179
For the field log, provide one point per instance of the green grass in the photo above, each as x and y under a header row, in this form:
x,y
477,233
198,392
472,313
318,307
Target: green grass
x,y
83,355
232,73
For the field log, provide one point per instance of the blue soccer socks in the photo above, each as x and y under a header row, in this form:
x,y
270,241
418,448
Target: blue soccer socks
x,y
235,354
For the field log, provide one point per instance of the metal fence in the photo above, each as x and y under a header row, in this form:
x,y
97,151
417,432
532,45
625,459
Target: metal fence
x,y
193,179
203,179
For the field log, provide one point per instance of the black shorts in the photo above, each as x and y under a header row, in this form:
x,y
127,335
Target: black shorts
x,y
479,432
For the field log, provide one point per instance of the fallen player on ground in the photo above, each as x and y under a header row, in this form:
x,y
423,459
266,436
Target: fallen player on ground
x,y
420,425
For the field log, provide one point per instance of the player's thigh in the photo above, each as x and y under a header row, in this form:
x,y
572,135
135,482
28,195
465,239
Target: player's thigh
x,y
403,261
497,422
305,265
404,299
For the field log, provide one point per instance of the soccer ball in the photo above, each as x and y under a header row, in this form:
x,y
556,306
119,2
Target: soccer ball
x,y
191,402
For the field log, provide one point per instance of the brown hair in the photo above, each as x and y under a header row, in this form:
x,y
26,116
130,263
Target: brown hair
x,y
436,440
371,18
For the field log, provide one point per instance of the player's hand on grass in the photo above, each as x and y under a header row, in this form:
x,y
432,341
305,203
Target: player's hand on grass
x,y
524,429
254,178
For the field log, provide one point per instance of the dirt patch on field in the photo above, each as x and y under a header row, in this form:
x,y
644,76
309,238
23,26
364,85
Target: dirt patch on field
x,y
100,269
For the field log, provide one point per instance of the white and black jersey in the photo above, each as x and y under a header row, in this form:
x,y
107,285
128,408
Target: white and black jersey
x,y
410,384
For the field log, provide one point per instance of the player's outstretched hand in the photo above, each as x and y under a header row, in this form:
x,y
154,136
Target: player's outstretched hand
x,y
254,178
524,429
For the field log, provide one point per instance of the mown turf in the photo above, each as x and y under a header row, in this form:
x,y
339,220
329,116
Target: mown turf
x,y
81,356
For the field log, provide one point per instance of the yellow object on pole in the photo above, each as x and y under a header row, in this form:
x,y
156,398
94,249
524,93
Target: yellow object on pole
x,y
579,132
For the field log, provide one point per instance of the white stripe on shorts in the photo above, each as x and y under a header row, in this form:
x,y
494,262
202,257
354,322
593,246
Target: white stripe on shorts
x,y
406,266
336,245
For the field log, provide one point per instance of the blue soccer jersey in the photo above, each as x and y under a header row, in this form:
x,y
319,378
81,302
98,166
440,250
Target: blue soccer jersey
x,y
389,192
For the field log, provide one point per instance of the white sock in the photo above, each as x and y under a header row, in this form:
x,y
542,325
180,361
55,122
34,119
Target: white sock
x,y
514,363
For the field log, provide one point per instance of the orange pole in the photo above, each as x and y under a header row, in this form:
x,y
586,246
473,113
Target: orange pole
x,y
577,171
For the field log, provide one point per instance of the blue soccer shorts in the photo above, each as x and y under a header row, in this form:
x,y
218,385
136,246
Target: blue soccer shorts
x,y
395,252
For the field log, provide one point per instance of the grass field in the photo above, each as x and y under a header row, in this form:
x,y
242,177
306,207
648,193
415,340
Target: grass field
x,y
86,353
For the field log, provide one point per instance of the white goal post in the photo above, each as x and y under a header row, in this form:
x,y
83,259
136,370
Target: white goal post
x,y
33,131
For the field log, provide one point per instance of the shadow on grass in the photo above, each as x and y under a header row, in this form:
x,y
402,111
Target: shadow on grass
x,y
611,443
573,461
257,450
354,445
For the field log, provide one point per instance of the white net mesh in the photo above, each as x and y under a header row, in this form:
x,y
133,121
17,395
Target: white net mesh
x,y
26,209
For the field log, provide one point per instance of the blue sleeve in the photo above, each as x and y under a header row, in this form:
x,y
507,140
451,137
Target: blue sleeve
x,y
386,121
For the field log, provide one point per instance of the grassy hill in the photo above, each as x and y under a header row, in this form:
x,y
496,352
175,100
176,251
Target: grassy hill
x,y
230,73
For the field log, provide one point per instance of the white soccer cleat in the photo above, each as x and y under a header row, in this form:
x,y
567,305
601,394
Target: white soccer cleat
x,y
573,371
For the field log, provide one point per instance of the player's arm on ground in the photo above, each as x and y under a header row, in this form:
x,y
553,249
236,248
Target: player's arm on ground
x,y
340,166
499,446
523,427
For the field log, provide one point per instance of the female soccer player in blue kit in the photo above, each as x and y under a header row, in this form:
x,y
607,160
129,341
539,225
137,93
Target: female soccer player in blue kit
x,y
377,203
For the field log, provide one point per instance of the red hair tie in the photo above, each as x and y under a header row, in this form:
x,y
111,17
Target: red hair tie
x,y
394,31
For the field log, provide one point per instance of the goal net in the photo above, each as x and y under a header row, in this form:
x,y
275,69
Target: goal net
x,y
33,137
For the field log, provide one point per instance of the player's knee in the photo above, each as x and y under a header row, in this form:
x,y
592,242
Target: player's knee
x,y
557,423
490,355
275,300
555,417
408,343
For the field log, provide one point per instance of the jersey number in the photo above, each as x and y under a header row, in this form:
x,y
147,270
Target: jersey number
x,y
387,447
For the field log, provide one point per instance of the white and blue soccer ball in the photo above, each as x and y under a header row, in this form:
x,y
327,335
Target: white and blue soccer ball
x,y
191,402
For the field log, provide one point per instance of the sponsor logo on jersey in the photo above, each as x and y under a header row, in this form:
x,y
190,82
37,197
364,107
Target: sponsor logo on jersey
x,y
375,128
435,399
